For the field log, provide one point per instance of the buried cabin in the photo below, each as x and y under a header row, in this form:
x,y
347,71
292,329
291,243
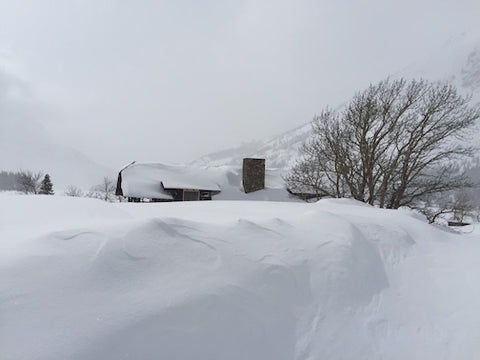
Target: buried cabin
x,y
153,182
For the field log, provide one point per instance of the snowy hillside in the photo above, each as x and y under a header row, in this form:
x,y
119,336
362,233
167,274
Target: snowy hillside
x,y
279,152
84,279
457,61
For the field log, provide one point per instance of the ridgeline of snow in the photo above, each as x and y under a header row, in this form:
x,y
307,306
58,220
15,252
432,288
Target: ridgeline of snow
x,y
279,152
231,156
337,279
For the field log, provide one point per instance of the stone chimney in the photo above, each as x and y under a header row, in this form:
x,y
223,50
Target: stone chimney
x,y
253,174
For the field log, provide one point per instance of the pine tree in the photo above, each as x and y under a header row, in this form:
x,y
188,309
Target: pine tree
x,y
46,188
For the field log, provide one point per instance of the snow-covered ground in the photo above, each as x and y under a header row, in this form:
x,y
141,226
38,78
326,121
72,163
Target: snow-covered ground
x,y
337,279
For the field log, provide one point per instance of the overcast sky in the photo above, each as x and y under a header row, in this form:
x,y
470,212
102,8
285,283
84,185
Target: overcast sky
x,y
174,80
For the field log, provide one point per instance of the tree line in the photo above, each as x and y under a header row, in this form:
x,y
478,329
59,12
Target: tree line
x,y
104,191
26,181
35,182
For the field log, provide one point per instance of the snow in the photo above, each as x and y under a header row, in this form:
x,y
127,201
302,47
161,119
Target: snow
x,y
337,279
279,152
145,179
456,61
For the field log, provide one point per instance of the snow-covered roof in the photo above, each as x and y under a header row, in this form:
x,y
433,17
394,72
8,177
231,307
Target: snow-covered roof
x,y
149,180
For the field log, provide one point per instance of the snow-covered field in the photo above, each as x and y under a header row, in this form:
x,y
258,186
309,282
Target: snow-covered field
x,y
83,279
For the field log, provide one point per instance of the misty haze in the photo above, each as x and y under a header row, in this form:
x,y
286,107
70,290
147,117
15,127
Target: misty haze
x,y
239,179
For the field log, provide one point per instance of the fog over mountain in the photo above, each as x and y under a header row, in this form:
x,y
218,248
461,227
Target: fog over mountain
x,y
25,144
170,81
457,61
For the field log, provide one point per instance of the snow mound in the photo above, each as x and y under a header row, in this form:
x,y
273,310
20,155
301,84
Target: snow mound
x,y
232,280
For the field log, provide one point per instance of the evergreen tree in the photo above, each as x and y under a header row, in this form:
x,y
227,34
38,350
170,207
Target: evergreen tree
x,y
46,187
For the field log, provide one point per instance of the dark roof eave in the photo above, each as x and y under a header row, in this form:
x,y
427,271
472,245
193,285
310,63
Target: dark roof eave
x,y
216,191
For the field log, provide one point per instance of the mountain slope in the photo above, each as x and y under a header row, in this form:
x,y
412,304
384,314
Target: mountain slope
x,y
26,145
457,61
280,152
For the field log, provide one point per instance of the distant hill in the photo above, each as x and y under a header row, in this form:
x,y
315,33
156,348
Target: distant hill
x,y
25,144
457,61
280,152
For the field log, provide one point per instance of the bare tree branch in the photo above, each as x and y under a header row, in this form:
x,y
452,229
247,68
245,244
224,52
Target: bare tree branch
x,y
28,181
394,144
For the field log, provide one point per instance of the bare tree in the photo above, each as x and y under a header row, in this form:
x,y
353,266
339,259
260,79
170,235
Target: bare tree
x,y
476,213
29,182
462,206
104,191
435,206
393,145
73,191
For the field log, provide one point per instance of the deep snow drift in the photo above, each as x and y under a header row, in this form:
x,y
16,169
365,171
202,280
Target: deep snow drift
x,y
83,279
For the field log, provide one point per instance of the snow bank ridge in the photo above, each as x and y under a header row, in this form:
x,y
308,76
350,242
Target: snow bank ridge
x,y
232,280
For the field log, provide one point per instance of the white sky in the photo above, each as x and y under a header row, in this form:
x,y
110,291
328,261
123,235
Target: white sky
x,y
174,80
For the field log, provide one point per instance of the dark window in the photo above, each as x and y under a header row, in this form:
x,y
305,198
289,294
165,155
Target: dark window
x,y
191,195
205,195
